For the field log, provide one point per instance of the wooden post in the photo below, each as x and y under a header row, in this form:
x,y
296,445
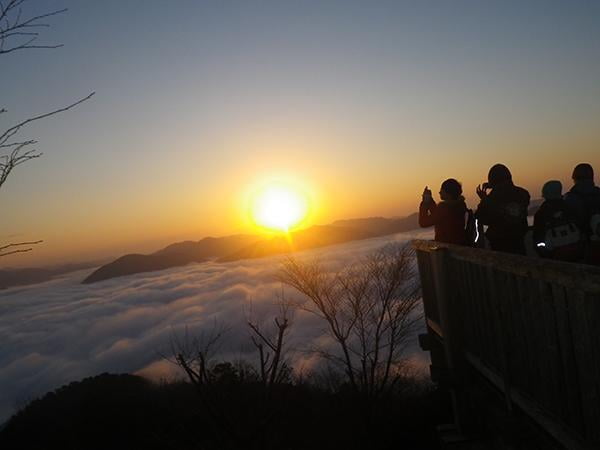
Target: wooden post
x,y
500,323
453,352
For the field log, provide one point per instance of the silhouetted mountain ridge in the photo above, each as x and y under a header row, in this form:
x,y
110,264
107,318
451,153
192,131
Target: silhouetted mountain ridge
x,y
178,254
225,249
10,277
233,248
313,237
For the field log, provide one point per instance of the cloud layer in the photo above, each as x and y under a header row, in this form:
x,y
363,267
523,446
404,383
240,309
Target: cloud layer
x,y
60,331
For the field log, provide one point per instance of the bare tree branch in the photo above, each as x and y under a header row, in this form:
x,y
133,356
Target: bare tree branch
x,y
17,244
4,247
15,129
273,367
16,157
14,27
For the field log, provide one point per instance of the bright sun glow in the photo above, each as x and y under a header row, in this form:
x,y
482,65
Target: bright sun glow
x,y
279,207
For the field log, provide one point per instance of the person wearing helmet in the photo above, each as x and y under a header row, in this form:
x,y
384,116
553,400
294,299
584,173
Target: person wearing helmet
x,y
584,200
503,208
448,216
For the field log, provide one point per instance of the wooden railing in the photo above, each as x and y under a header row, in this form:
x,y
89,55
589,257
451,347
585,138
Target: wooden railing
x,y
531,327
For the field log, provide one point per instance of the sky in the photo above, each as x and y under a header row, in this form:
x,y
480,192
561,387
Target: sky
x,y
360,103
61,331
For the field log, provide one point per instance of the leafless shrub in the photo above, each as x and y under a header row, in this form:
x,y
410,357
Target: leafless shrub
x,y
195,353
222,384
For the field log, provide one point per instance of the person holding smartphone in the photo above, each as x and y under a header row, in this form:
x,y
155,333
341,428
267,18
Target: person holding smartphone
x,y
448,216
503,208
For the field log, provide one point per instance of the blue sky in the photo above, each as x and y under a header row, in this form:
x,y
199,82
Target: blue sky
x,y
366,102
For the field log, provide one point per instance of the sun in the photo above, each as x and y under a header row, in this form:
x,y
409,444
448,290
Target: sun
x,y
279,207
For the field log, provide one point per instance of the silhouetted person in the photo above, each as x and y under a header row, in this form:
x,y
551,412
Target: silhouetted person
x,y
584,199
448,216
556,233
504,211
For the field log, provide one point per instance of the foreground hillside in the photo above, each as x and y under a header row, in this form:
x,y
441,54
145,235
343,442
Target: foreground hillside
x,y
128,412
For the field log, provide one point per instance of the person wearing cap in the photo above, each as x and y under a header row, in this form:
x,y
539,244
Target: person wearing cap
x,y
503,208
448,216
556,234
584,199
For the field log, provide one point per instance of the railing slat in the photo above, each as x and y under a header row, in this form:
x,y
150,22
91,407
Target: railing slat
x,y
518,335
571,408
490,322
549,353
472,325
427,285
529,368
584,363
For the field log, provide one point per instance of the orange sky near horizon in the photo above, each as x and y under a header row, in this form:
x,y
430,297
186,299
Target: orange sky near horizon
x,y
336,191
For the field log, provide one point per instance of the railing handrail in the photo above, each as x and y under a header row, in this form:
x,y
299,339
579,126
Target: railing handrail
x,y
572,275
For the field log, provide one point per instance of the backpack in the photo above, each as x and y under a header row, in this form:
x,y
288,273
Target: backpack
x,y
560,231
563,238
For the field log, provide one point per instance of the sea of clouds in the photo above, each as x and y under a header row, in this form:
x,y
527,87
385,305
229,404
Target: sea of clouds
x,y
61,331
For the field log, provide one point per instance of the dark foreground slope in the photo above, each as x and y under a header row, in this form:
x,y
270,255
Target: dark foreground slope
x,y
233,248
128,412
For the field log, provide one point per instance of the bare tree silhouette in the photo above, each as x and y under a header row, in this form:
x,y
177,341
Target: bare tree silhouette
x,y
370,309
20,31
270,343
262,385
195,353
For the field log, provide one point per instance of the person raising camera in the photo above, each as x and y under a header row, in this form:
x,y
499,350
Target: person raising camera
x,y
448,216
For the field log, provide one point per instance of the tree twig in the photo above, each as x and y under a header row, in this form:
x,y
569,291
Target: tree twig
x,y
18,244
